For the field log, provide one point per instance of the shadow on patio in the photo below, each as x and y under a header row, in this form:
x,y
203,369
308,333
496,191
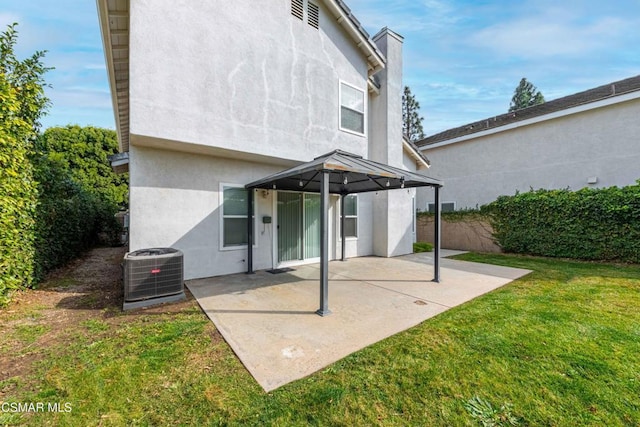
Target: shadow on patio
x,y
269,320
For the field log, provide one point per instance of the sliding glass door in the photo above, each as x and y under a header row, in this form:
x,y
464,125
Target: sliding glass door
x,y
298,226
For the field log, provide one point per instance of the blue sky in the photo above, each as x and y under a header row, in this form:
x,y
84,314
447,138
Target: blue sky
x,y
462,59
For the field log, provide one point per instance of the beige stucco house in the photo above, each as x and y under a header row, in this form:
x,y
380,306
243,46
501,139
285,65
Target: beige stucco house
x,y
210,96
588,139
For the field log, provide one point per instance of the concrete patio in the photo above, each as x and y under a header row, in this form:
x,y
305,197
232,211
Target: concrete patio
x,y
269,319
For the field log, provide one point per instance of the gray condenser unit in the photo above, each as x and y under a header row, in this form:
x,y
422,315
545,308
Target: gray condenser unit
x,y
153,276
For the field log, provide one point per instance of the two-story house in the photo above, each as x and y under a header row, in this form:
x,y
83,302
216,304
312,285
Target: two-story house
x,y
587,139
211,95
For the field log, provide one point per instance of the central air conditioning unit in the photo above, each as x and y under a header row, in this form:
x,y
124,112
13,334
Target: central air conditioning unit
x,y
153,276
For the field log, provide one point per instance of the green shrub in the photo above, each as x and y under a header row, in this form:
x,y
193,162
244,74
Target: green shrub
x,y
22,102
422,247
461,215
69,219
18,197
590,224
84,152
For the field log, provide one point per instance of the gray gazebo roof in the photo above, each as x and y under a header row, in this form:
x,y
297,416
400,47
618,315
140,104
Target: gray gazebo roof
x,y
348,173
339,172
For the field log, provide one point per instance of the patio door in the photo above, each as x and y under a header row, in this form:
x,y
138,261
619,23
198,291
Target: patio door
x,y
298,226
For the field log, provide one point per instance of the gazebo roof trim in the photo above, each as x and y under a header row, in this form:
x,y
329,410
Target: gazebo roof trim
x,y
349,173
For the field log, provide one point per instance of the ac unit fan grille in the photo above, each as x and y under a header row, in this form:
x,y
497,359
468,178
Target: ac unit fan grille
x,y
150,277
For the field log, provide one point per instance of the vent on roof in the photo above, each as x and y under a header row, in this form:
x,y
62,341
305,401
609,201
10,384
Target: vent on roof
x,y
313,17
297,8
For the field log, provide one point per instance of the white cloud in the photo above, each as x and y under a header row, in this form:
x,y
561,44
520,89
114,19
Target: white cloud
x,y
551,34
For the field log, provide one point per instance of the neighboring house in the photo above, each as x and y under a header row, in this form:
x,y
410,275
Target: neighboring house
x,y
211,95
589,139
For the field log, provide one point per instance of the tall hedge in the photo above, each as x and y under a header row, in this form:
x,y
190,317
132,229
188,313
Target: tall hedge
x,y
57,192
68,219
22,102
84,152
590,224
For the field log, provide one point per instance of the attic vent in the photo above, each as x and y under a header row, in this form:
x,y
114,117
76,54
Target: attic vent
x,y
314,16
297,8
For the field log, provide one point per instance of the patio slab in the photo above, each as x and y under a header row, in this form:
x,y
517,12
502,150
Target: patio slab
x,y
269,320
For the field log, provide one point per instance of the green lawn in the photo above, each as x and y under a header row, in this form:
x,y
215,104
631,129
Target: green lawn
x,y
559,347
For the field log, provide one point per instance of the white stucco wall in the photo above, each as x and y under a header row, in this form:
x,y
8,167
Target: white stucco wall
x,y
409,164
392,230
230,92
176,202
552,154
241,75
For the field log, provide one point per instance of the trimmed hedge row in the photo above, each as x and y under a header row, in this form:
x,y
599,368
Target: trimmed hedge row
x,y
18,196
589,224
18,200
69,219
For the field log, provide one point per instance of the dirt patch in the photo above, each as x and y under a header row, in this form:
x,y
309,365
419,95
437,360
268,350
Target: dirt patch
x,y
36,320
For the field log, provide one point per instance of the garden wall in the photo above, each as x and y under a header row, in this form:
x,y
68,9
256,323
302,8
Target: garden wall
x,y
469,234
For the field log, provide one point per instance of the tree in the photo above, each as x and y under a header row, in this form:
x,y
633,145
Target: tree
x,y
525,95
411,120
22,103
84,152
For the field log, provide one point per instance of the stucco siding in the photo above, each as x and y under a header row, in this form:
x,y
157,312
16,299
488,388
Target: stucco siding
x,y
408,162
560,153
242,76
176,202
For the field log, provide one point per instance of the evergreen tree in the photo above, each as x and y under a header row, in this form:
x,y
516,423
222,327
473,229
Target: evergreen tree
x,y
525,95
411,120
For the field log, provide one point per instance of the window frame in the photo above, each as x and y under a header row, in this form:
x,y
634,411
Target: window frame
x,y
414,213
430,204
348,217
223,186
363,112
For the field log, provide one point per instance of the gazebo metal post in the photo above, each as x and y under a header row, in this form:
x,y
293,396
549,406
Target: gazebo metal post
x,y
250,192
436,236
324,245
342,232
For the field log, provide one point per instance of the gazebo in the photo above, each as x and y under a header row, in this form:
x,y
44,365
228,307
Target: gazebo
x,y
342,173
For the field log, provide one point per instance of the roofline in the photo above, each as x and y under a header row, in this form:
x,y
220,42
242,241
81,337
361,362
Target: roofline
x,y
415,153
342,162
345,18
629,96
103,18
375,59
591,98
387,30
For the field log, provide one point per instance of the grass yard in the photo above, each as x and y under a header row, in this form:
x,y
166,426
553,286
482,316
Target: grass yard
x,y
559,347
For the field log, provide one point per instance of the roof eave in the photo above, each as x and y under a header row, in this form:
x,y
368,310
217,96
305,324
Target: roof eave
x,y
629,96
117,87
375,59
560,107
414,152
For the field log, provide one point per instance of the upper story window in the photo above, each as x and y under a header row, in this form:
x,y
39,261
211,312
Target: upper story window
x,y
351,109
